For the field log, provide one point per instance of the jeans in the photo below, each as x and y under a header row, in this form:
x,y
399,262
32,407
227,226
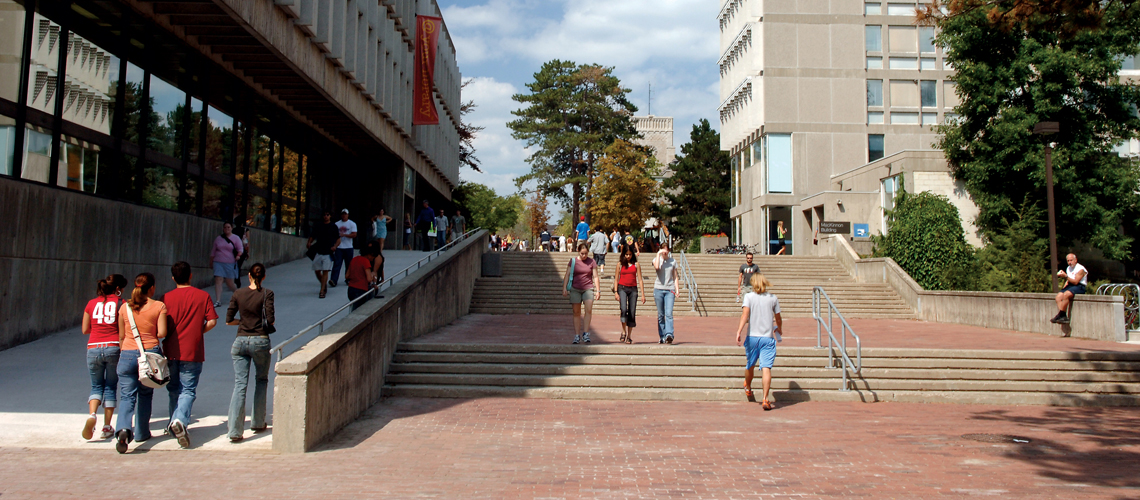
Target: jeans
x,y
627,299
182,389
244,350
664,300
103,363
340,256
134,409
353,293
440,238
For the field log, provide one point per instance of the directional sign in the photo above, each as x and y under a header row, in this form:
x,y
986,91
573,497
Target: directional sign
x,y
862,230
833,227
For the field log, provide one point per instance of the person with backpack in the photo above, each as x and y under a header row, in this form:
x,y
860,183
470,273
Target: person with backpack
x,y
143,318
191,315
101,325
228,248
251,310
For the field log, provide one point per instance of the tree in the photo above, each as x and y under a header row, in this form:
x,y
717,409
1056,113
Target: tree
x,y
537,214
625,189
1015,259
573,112
1008,81
925,237
484,208
467,133
1067,18
699,187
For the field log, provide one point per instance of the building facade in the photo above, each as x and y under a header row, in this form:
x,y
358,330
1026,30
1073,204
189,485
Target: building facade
x,y
189,113
657,133
813,91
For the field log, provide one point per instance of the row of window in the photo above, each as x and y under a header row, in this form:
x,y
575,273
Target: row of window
x,y
893,9
906,39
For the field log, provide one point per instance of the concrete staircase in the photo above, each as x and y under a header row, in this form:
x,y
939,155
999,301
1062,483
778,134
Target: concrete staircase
x,y
680,373
531,283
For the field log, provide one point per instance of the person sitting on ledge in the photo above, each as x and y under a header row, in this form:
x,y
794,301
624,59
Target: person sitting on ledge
x,y
1076,279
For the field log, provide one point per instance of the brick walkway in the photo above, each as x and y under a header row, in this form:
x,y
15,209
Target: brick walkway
x,y
506,448
798,332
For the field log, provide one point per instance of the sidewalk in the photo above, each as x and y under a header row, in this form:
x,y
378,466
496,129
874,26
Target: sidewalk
x,y
44,384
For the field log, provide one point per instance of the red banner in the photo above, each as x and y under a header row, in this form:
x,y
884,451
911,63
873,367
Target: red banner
x,y
427,39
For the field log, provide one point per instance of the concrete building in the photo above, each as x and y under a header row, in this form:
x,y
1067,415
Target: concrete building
x,y
819,98
657,133
130,129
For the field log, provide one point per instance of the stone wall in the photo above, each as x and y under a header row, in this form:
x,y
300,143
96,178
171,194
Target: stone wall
x,y
334,378
55,244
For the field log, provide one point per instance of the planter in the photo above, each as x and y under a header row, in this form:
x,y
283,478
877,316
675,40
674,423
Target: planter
x,y
711,242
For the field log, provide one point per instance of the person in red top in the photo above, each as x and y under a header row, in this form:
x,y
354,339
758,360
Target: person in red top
x,y
626,289
100,323
359,275
189,314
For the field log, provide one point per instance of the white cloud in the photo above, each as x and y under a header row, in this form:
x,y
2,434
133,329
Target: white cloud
x,y
503,158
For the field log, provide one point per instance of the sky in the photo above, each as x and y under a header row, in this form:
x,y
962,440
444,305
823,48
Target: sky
x,y
500,44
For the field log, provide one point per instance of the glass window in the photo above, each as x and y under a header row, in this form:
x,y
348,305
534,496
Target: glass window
x,y
874,117
257,213
79,161
92,80
949,118
930,118
46,43
189,185
1129,63
193,124
169,113
904,63
756,156
874,38
903,39
219,150
928,63
926,39
217,201
133,102
37,154
901,9
12,46
874,63
904,118
929,89
874,92
874,147
873,9
779,163
259,173
890,189
7,144
160,188
949,95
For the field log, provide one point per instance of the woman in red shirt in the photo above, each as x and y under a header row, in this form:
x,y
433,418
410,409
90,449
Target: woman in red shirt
x,y
627,287
100,322
359,276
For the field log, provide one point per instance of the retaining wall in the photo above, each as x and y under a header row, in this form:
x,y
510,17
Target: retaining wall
x,y
334,378
1093,316
55,244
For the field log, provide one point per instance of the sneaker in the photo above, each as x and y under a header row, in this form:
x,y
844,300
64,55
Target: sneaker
x,y
121,439
1057,318
660,341
236,439
586,337
89,426
108,432
217,303
180,434
1064,319
332,284
669,339
576,338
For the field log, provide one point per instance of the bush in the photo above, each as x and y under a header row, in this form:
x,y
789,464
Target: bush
x,y
695,246
1015,258
925,237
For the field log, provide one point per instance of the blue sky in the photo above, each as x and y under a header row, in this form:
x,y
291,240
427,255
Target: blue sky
x,y
672,44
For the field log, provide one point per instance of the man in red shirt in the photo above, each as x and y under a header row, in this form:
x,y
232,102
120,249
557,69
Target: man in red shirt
x,y
190,313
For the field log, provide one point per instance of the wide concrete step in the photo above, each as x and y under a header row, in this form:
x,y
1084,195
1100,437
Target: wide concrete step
x,y
609,393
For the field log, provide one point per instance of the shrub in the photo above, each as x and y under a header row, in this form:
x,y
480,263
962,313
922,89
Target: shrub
x,y
925,237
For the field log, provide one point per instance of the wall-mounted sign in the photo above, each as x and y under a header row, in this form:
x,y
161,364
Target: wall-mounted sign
x,y
862,230
833,227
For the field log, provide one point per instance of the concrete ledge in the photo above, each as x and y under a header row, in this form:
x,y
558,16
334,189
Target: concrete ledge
x,y
330,381
1093,317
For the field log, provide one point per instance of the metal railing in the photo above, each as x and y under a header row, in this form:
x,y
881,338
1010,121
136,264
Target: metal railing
x,y
1131,294
320,325
690,281
818,296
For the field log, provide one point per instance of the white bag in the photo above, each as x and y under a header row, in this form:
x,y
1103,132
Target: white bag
x,y
153,370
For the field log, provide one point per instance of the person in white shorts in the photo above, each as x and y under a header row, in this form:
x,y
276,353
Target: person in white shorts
x,y
761,312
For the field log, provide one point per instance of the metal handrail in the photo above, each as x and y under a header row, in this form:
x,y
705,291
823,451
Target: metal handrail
x,y
816,294
1131,294
690,281
320,325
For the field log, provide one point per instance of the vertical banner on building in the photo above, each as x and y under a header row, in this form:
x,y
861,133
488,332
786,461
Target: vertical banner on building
x,y
427,39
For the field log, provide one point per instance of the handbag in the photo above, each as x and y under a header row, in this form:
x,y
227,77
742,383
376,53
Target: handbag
x,y
265,324
311,253
570,276
153,370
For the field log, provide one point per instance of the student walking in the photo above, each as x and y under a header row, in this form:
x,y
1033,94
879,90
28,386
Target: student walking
x,y
582,231
458,225
615,241
761,312
228,248
347,231
780,234
441,225
628,285
251,309
580,283
380,227
423,225
323,242
665,290
544,237
408,227
747,269
101,325
144,318
191,316
598,246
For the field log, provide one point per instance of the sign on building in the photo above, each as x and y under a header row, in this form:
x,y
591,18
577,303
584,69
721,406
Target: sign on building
x,y
833,227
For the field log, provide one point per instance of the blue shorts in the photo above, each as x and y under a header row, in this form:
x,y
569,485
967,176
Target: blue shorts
x,y
1074,289
225,270
762,349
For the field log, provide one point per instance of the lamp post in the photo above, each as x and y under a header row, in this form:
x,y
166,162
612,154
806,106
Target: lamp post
x,y
1047,129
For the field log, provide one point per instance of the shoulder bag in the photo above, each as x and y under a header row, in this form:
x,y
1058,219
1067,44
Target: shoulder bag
x,y
153,371
570,277
265,324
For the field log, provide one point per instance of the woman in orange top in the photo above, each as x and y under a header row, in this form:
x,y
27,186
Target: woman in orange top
x,y
135,398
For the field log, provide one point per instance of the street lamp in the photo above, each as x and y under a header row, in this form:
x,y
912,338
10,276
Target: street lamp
x,y
1047,129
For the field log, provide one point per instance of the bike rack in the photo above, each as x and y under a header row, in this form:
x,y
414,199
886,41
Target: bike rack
x,y
1131,294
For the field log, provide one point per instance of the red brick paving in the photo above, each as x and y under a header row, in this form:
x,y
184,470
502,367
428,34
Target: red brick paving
x,y
798,332
537,448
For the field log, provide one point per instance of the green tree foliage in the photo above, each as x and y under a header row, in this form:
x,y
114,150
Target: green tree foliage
x,y
925,237
1015,258
572,113
1009,79
699,187
625,189
483,208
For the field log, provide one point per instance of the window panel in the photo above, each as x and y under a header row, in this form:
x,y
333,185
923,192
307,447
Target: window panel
x,y
167,118
949,95
257,213
12,15
900,9
930,118
904,118
47,40
873,9
259,173
80,162
7,144
874,117
194,130
904,63
161,187
874,147
134,102
928,64
926,39
903,39
779,163
929,90
91,83
219,150
874,38
756,156
1129,63
874,63
904,93
37,154
874,92
217,201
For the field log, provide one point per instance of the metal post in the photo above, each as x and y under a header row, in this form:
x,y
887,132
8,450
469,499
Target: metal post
x,y
1052,216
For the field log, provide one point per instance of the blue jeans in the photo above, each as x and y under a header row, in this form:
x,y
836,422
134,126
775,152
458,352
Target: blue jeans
x,y
245,350
664,300
182,389
440,239
103,363
340,256
134,409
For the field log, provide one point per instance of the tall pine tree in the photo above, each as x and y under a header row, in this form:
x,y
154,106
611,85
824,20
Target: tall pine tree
x,y
699,187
